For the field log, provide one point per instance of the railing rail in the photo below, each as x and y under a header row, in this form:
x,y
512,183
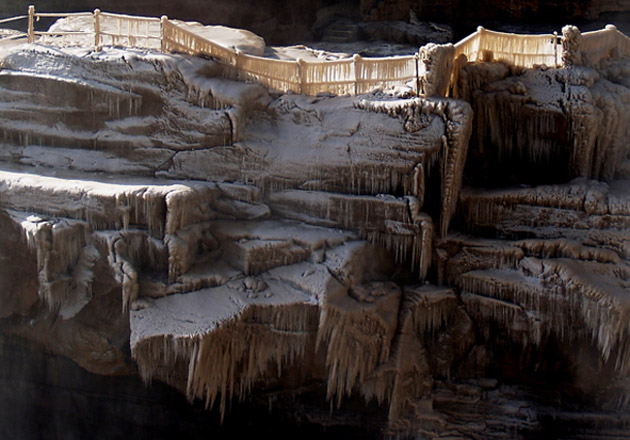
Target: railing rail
x,y
354,75
14,34
514,49
16,18
62,14
13,37
33,17
598,45
126,31
178,39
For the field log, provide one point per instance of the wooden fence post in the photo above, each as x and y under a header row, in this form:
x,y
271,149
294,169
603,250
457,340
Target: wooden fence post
x,y
302,71
555,49
480,50
97,30
236,64
416,57
163,23
299,76
31,24
356,60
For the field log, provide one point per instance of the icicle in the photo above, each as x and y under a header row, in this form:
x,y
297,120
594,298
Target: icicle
x,y
227,361
357,338
426,246
560,297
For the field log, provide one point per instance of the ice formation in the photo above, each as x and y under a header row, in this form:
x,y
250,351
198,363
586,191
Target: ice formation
x,y
238,239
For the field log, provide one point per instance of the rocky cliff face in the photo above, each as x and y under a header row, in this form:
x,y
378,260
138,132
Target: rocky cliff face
x,y
161,222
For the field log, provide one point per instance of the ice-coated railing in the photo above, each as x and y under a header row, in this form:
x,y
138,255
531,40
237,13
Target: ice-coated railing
x,y
351,76
14,34
347,76
64,36
598,45
514,49
530,50
126,31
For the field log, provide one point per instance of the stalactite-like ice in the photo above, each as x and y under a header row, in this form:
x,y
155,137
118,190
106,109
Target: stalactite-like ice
x,y
65,258
405,381
357,329
394,223
548,116
225,339
552,287
457,117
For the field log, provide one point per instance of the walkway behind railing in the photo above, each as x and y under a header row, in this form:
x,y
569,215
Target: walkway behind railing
x,y
351,76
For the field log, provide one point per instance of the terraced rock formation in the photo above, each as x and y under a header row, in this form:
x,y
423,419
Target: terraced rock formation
x,y
158,220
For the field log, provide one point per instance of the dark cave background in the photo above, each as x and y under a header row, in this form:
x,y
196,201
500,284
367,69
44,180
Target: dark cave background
x,y
287,22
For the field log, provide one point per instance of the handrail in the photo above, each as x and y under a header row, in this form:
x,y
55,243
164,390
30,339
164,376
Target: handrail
x,y
13,37
60,33
129,17
33,16
345,76
62,14
113,34
519,50
16,18
516,49
195,43
126,30
597,45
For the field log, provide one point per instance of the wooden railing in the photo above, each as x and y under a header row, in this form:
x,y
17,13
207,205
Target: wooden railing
x,y
347,76
351,76
177,39
513,49
126,31
14,34
281,75
63,35
601,44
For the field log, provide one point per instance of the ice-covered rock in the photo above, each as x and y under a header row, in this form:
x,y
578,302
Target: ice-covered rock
x,y
236,240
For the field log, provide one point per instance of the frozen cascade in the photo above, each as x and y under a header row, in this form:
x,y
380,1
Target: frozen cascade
x,y
357,334
64,254
226,361
458,118
547,116
406,377
549,287
395,224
